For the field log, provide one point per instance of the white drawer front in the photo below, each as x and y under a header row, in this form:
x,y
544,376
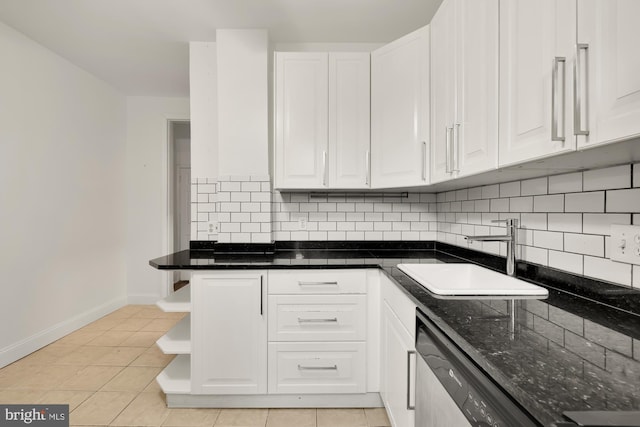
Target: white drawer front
x,y
317,368
317,317
317,282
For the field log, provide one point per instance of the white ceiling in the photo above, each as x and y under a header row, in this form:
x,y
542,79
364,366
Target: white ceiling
x,y
140,47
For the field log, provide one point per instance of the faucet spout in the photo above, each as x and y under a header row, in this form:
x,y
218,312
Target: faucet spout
x,y
509,238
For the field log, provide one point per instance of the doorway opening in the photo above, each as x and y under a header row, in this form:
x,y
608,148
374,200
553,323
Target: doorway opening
x,y
179,193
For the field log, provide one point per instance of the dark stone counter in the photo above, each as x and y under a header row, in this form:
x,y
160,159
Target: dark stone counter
x,y
578,349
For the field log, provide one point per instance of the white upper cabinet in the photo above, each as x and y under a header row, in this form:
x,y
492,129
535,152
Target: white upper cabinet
x,y
537,43
349,119
322,120
400,112
608,95
301,93
464,88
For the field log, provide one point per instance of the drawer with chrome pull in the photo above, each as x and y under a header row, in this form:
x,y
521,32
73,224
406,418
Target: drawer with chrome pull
x,y
317,317
317,368
317,282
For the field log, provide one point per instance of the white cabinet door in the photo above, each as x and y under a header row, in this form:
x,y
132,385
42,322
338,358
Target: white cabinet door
x,y
443,95
400,112
532,34
229,333
608,37
349,119
464,81
397,387
301,119
476,126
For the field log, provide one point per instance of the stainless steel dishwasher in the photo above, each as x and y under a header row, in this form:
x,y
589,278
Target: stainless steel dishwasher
x,y
452,391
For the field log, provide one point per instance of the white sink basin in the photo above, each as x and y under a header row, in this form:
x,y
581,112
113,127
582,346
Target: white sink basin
x,y
468,279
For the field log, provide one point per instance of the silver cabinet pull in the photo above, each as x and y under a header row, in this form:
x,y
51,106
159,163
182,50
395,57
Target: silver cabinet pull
x,y
318,368
261,295
367,165
410,407
424,160
324,168
455,155
317,283
578,102
447,135
302,320
555,136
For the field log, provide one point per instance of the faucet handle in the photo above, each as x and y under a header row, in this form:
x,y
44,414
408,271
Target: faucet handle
x,y
510,222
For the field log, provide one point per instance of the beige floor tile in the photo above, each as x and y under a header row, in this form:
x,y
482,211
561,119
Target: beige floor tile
x,y
71,398
132,378
149,312
142,339
45,377
102,324
242,418
377,417
119,356
83,355
191,417
291,418
153,356
91,378
147,409
79,337
153,387
132,325
48,355
101,408
17,397
160,325
110,338
341,418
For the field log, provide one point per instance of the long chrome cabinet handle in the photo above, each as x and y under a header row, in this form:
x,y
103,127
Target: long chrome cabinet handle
x,y
317,283
261,295
555,135
302,320
447,136
424,160
318,368
578,102
409,405
324,168
367,165
455,155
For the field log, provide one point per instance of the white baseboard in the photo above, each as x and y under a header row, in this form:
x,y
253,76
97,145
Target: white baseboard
x,y
18,350
147,299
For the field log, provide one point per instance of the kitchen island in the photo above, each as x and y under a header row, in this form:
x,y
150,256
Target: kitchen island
x,y
579,349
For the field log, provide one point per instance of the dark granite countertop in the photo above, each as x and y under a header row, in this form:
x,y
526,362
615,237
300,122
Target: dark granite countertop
x,y
579,349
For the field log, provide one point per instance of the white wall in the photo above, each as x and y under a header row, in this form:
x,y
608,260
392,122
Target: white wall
x,y
204,110
243,146
148,213
62,189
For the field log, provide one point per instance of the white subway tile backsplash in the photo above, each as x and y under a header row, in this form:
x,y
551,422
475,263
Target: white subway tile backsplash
x,y
490,191
565,222
247,187
499,205
623,200
551,203
587,244
482,206
510,189
608,178
240,197
534,255
536,221
636,175
605,269
584,202
521,204
636,278
567,183
548,239
475,193
601,223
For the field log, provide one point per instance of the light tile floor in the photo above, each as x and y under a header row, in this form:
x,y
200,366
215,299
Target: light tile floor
x,y
106,373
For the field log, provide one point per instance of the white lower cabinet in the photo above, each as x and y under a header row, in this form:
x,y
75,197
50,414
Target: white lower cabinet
x,y
317,367
229,333
398,358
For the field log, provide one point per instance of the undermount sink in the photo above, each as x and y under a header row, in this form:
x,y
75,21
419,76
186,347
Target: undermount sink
x,y
469,279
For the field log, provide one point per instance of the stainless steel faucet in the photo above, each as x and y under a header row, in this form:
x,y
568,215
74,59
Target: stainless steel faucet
x,y
509,238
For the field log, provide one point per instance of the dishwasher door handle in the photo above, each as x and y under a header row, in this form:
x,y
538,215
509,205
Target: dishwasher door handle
x,y
410,406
